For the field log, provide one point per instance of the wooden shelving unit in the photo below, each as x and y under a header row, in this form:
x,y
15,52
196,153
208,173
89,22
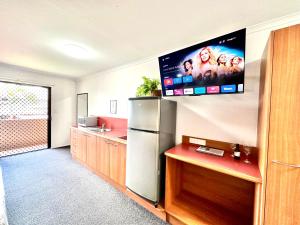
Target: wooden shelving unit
x,y
226,164
209,190
191,209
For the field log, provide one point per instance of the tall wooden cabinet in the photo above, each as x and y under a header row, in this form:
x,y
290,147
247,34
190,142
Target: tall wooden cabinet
x,y
279,128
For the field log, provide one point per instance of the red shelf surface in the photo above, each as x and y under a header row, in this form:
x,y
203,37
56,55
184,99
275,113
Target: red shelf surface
x,y
225,164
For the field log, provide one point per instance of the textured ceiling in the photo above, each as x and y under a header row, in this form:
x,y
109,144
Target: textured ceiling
x,y
118,31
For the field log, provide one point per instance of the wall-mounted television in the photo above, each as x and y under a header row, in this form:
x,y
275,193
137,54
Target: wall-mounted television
x,y
212,67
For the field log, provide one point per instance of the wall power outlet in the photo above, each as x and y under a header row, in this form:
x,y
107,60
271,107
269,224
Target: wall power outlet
x,y
198,141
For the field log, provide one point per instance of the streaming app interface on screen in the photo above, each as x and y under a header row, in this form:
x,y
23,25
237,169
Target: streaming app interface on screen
x,y
212,67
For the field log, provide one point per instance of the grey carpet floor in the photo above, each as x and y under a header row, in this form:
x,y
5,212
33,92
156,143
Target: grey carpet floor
x,y
47,187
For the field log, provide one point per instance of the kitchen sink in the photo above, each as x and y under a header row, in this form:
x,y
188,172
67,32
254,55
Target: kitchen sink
x,y
96,129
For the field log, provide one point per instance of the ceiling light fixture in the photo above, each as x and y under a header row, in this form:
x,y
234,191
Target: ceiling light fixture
x,y
77,51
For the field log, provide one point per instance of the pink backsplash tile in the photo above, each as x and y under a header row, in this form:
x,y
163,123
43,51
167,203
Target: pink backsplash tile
x,y
113,123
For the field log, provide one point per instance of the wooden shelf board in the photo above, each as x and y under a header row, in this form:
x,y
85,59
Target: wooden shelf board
x,y
226,164
193,210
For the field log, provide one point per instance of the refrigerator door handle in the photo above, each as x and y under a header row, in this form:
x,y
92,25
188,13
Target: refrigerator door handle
x,y
147,131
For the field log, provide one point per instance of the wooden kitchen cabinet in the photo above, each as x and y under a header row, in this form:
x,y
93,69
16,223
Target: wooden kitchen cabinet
x,y
91,149
73,140
278,128
102,156
117,158
111,160
81,148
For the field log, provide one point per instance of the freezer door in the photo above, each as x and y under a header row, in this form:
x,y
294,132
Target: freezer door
x,y
144,114
142,164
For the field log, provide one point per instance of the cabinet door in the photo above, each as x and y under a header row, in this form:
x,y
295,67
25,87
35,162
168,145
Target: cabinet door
x,y
78,146
73,141
283,177
283,195
99,144
102,156
118,163
82,146
91,151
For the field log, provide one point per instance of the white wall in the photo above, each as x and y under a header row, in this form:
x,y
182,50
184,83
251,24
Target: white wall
x,y
63,93
231,118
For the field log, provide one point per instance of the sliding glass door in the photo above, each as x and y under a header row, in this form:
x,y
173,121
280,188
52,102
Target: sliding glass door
x,y
25,117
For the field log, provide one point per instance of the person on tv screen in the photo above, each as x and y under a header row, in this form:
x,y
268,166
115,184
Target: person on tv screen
x,y
235,70
188,67
222,69
235,66
207,62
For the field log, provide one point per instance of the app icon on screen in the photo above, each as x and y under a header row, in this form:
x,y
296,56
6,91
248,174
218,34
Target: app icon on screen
x,y
178,92
228,88
188,91
200,90
240,87
187,79
169,92
213,89
168,81
177,80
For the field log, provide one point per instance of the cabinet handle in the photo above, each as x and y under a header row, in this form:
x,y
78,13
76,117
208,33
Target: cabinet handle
x,y
286,164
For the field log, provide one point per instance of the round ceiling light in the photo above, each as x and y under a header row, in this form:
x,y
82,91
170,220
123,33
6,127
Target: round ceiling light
x,y
77,51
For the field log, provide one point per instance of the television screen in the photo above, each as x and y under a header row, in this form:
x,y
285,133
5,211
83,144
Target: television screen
x,y
211,67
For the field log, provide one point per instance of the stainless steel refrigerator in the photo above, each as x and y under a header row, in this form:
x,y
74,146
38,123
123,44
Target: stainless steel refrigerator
x,y
151,131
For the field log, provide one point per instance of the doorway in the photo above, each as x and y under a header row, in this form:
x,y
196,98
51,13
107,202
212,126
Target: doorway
x,y
25,118
82,105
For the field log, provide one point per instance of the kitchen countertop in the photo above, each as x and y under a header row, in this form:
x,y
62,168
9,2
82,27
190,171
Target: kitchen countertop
x,y
113,135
